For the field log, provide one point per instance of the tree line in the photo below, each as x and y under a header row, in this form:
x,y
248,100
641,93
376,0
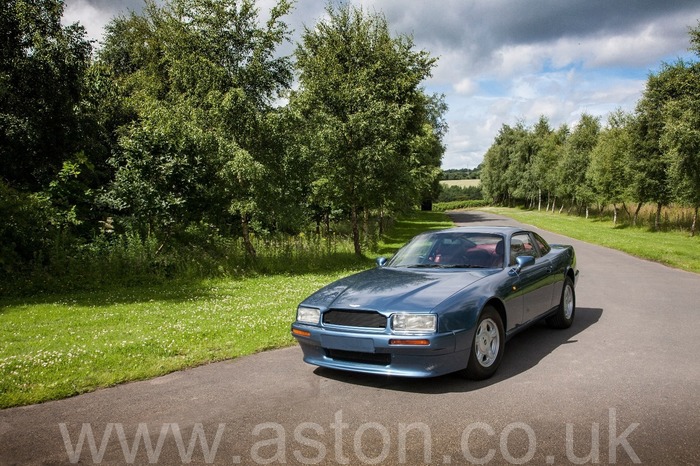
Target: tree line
x,y
461,173
187,118
649,155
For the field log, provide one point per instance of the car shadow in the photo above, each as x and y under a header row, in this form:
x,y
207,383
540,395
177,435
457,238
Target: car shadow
x,y
523,352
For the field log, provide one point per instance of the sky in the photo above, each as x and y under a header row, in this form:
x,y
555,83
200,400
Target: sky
x,y
506,61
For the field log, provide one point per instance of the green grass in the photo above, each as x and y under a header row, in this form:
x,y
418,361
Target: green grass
x,y
57,345
674,248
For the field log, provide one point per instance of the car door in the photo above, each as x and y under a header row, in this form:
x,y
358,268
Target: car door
x,y
534,281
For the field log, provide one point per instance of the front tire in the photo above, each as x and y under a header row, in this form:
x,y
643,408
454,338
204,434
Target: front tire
x,y
487,347
564,316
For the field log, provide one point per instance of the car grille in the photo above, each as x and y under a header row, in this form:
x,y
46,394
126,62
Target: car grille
x,y
369,319
380,359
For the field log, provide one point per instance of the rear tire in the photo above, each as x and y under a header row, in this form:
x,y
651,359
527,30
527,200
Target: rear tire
x,y
487,346
564,316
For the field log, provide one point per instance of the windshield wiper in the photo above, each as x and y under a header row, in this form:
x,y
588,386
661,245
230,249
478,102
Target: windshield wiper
x,y
424,266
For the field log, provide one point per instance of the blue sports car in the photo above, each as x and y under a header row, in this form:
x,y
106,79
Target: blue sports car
x,y
446,302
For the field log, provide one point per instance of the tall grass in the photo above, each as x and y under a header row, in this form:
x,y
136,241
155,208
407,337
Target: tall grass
x,y
130,259
673,217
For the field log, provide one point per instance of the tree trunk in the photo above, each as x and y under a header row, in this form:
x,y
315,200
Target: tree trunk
x,y
657,220
695,221
635,219
365,225
614,214
624,206
250,249
539,200
356,232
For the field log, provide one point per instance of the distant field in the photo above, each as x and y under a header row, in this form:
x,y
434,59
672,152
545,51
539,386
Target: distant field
x,y
462,183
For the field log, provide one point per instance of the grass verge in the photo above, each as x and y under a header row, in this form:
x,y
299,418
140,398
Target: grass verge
x,y
59,345
675,249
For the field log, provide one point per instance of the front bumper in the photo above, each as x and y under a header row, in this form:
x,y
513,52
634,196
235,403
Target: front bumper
x,y
372,353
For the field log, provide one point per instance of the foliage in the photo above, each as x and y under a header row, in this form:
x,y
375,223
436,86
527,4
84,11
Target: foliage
x,y
681,139
374,134
608,173
41,68
455,205
185,121
459,193
461,173
200,78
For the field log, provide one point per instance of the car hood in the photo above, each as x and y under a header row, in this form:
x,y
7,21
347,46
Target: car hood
x,y
393,289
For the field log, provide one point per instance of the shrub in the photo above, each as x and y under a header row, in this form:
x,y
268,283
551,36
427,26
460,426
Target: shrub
x,y
454,205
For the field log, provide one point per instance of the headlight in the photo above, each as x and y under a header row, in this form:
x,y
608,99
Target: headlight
x,y
414,323
308,315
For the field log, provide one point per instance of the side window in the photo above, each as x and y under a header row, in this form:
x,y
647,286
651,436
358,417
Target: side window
x,y
521,245
542,244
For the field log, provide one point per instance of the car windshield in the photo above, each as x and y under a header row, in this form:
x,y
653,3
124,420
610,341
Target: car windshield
x,y
451,250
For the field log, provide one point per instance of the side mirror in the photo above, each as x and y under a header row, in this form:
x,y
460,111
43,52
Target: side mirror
x,y
381,262
522,261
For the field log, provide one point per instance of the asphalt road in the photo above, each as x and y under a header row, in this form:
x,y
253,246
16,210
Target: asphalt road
x,y
621,386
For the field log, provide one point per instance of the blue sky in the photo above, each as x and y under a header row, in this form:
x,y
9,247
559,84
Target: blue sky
x,y
504,61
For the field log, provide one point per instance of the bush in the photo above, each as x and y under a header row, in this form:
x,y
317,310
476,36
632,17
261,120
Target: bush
x,y
459,193
454,205
25,230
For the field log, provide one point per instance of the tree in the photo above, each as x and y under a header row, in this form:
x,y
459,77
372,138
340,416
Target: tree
x,y
608,172
681,139
572,166
496,161
367,119
649,163
41,68
199,81
42,128
549,144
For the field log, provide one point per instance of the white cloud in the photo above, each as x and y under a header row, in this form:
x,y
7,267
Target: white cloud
x,y
94,19
466,87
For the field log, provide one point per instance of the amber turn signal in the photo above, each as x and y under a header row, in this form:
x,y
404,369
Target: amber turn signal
x,y
301,333
409,342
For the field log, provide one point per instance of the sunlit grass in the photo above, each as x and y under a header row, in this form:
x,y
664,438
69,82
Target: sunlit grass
x,y
58,345
675,249
64,345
